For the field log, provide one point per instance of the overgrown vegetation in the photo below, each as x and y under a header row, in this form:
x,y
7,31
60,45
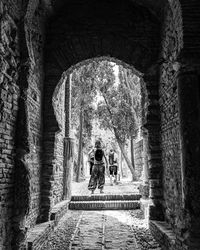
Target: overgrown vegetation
x,y
114,100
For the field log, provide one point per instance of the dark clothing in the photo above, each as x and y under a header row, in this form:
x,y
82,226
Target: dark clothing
x,y
112,159
113,164
113,170
91,160
98,155
91,165
97,177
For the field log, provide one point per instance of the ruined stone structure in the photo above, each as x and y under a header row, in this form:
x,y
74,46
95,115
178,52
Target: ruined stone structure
x,y
42,39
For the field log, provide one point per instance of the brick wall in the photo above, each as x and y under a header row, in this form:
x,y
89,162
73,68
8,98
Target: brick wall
x,y
170,139
9,93
170,123
10,88
52,146
35,38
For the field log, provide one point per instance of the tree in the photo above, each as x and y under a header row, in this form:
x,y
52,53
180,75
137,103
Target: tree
x,y
83,93
133,85
118,110
115,114
118,114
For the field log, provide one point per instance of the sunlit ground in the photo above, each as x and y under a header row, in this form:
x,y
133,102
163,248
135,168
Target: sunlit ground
x,y
124,186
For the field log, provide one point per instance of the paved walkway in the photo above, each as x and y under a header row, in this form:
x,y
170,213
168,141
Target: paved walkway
x,y
104,230
125,186
101,230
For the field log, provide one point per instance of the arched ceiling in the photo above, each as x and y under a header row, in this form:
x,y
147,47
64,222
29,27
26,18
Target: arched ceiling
x,y
154,6
84,29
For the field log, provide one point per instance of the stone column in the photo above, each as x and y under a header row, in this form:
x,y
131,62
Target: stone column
x,y
68,163
145,159
155,175
68,143
144,187
154,151
67,107
189,114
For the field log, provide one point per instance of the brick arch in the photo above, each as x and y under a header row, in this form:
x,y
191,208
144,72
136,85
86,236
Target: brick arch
x,y
60,127
56,125
66,47
65,84
128,41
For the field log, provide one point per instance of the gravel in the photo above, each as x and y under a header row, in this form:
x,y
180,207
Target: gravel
x,y
60,239
142,233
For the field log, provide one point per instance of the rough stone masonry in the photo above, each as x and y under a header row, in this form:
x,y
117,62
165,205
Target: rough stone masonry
x,y
39,40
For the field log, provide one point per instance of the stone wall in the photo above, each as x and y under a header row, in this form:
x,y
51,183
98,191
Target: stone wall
x,y
14,88
35,39
170,140
9,93
59,109
51,190
170,123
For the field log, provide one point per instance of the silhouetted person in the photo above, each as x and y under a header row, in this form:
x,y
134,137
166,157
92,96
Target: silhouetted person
x,y
98,170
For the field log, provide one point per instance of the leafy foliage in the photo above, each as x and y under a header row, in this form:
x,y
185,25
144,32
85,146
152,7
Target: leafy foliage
x,y
117,105
119,111
83,93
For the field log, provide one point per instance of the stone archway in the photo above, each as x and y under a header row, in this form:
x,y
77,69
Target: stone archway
x,y
65,79
65,47
68,47
63,115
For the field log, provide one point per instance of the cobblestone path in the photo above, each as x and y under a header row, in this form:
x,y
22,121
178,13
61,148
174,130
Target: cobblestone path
x,y
102,230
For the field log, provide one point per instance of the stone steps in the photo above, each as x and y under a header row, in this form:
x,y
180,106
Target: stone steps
x,y
104,205
105,202
106,197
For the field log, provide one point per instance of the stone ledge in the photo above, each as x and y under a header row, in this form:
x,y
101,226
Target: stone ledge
x,y
39,234
59,210
163,233
104,205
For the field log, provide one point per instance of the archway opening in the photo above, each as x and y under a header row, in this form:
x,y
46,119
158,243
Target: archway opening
x,y
91,38
103,100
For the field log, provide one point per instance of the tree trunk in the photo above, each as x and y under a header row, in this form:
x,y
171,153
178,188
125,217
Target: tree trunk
x,y
80,146
132,153
83,165
127,160
121,168
125,155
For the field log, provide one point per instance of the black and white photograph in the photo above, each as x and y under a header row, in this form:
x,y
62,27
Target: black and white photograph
x,y
99,124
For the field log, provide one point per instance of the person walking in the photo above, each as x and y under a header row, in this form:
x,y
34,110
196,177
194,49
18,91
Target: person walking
x,y
97,177
91,159
113,166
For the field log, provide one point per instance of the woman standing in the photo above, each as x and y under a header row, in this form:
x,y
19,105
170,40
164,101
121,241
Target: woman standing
x,y
97,177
